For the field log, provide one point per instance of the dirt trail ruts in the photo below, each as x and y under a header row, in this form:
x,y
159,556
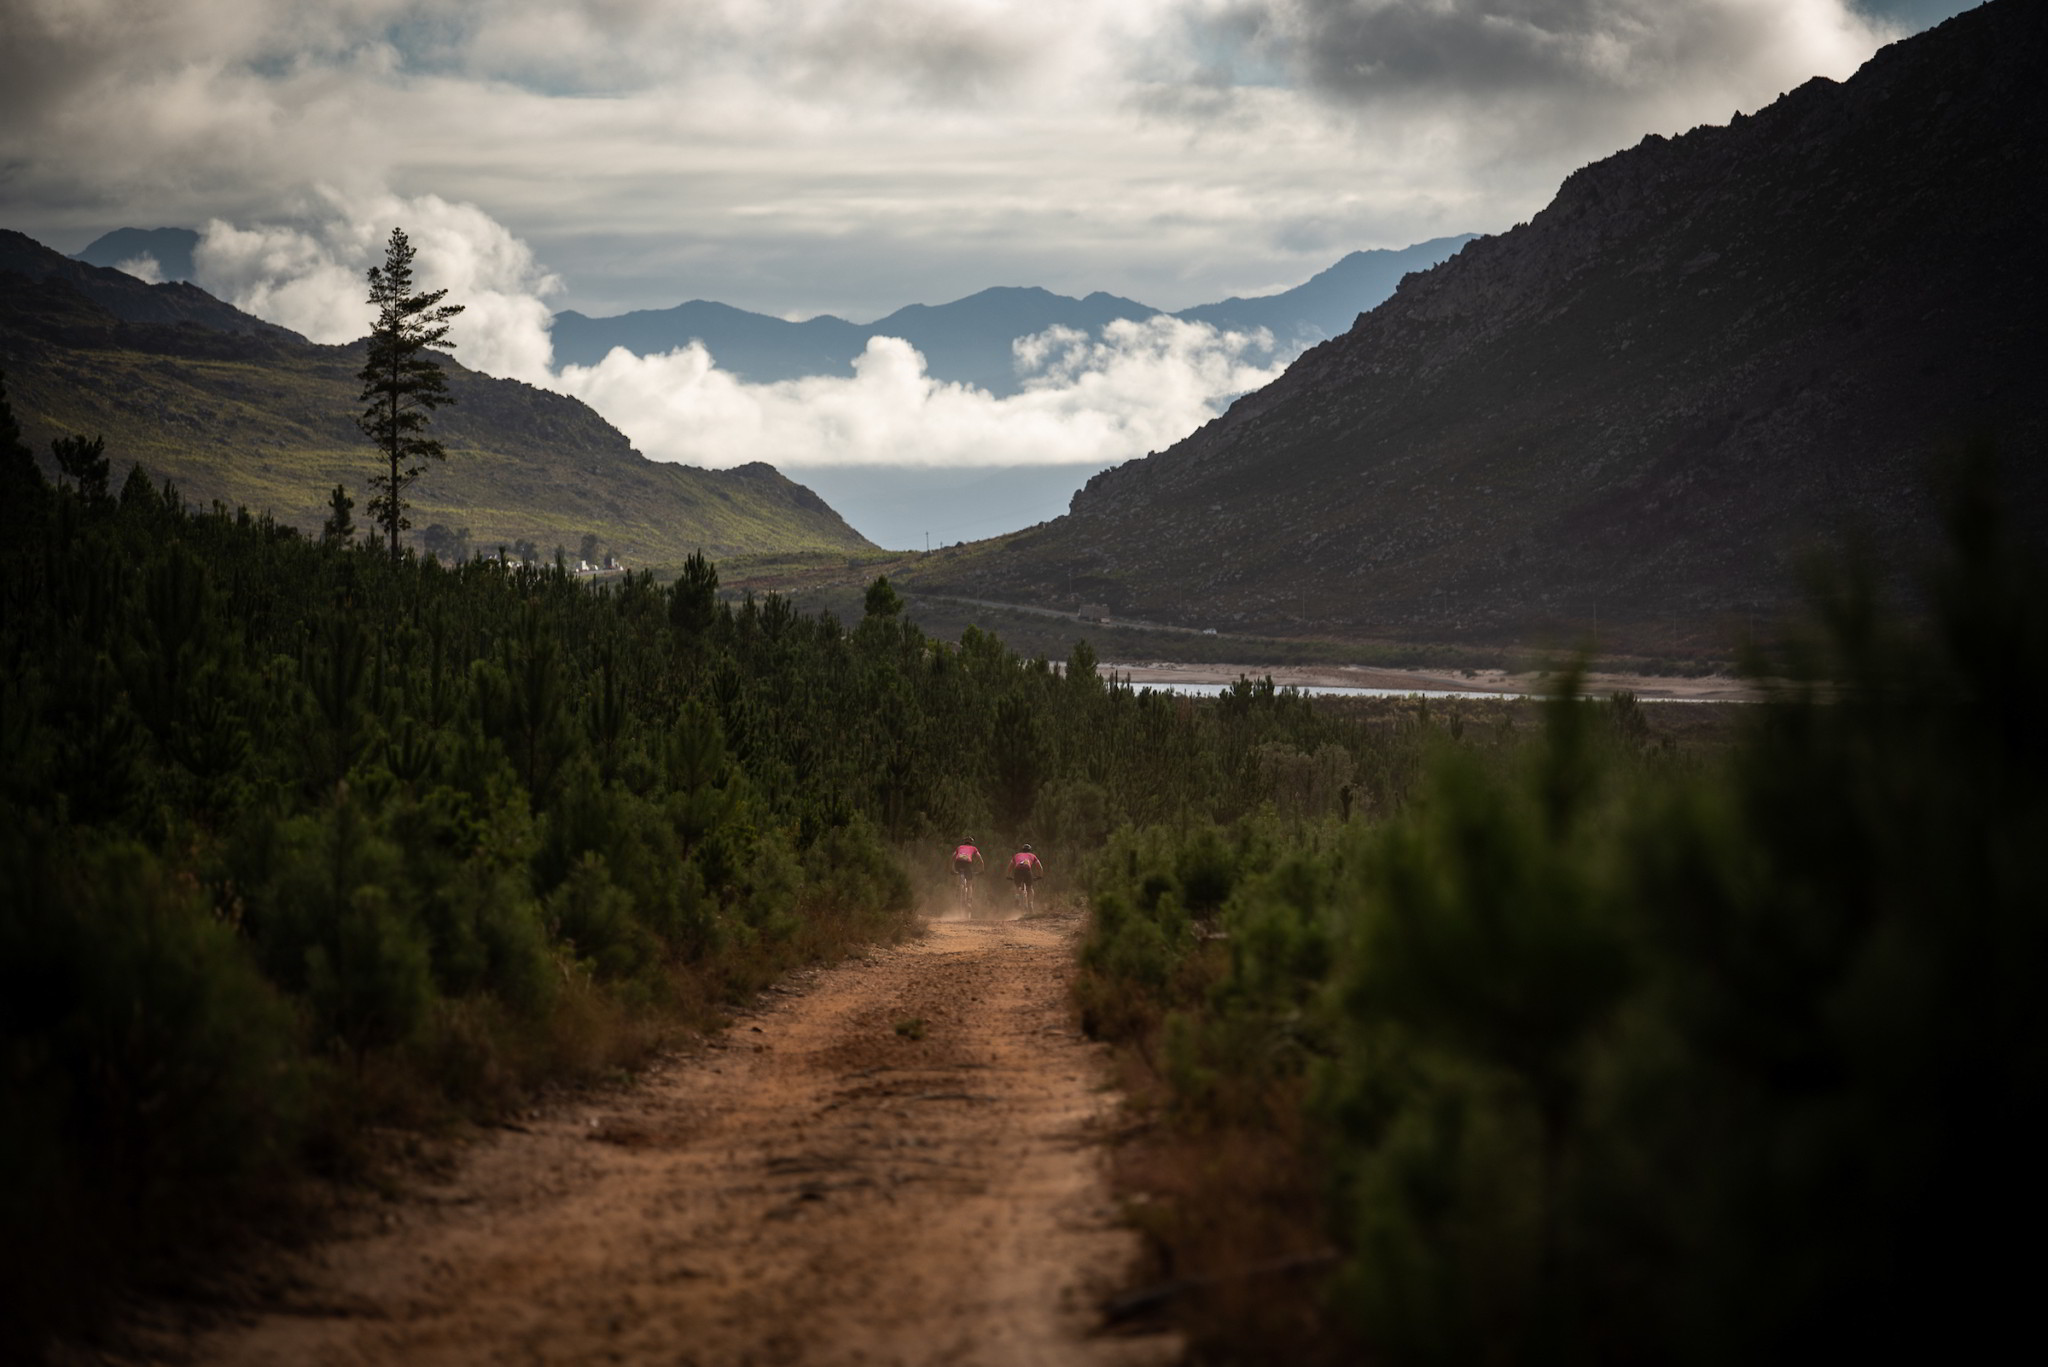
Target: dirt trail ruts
x,y
817,1187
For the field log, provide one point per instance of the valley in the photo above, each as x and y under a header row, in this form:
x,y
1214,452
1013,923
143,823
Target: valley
x,y
1508,835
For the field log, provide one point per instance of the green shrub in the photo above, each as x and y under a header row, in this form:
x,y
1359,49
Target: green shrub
x,y
1616,1055
151,1073
595,919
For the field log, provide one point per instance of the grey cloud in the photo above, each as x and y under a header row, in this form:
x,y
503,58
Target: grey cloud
x,y
1358,47
1488,51
42,62
1516,93
880,50
854,155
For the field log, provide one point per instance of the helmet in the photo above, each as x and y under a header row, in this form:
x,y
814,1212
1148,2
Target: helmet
x,y
1027,849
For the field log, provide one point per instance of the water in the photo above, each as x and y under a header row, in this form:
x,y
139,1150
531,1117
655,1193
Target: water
x,y
1211,690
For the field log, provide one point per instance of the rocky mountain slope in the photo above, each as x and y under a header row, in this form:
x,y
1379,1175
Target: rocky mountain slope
x,y
1639,410
236,410
176,304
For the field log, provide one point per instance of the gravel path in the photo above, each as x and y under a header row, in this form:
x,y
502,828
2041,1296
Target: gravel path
x,y
819,1186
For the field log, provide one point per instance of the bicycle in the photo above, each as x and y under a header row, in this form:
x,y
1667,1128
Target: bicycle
x,y
966,881
1023,894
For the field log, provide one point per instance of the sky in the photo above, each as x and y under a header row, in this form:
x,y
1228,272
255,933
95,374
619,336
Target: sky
x,y
798,157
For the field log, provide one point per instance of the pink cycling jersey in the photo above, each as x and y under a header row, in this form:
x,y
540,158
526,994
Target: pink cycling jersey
x,y
966,854
1022,861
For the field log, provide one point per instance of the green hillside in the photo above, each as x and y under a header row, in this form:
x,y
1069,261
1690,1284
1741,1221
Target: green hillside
x,y
265,420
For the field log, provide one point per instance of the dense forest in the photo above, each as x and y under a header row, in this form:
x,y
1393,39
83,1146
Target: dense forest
x,y
297,839
1506,1033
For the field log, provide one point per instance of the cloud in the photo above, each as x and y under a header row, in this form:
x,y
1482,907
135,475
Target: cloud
x,y
1494,81
312,279
145,268
1361,49
812,52
854,155
1138,386
1085,398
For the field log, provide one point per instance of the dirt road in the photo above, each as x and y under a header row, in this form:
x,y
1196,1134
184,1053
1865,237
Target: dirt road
x,y
896,1162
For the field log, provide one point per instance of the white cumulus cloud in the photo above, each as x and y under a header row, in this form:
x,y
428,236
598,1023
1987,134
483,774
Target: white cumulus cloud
x,y
1093,399
145,268
1138,386
312,279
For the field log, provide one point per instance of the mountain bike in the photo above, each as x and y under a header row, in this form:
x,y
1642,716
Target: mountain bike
x,y
966,880
1022,892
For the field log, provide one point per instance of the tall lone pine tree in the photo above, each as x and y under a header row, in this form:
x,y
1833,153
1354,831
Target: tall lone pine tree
x,y
402,384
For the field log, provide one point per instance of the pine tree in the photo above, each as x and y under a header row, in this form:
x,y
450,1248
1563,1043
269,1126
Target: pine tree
x,y
22,486
882,599
84,460
339,526
402,385
693,606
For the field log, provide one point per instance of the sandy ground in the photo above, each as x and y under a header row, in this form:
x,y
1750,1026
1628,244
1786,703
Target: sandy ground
x,y
816,1187
1715,688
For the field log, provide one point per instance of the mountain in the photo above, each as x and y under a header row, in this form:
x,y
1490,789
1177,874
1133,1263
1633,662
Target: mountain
x,y
170,248
750,344
965,342
968,340
1635,413
239,411
128,299
1329,302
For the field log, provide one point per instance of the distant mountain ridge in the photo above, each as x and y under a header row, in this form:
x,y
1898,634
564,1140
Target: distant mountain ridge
x,y
1633,414
236,410
1329,302
170,248
968,341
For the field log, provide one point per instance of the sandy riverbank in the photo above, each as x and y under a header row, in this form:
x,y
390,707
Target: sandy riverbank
x,y
1711,688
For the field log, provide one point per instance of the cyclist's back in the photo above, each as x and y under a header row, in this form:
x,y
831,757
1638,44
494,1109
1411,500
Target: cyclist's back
x,y
1024,866
1024,871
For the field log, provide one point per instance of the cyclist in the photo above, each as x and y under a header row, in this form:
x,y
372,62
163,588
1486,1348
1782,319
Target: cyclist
x,y
1024,871
967,863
